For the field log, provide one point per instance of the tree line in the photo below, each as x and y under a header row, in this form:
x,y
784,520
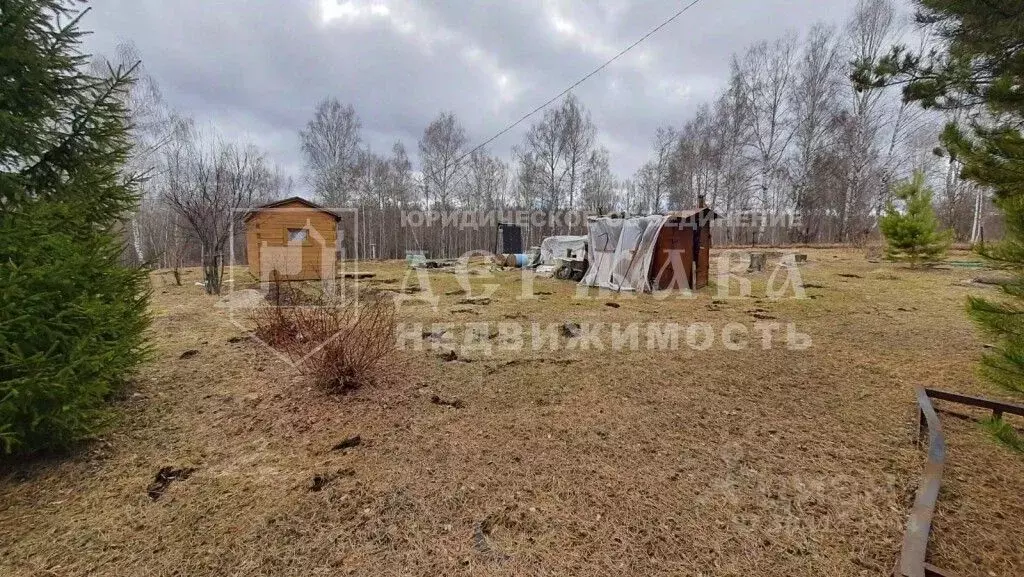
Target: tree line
x,y
790,132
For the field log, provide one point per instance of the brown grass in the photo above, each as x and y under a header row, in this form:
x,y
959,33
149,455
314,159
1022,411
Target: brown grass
x,y
655,462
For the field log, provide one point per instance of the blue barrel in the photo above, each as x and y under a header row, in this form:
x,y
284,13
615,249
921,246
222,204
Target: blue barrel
x,y
522,260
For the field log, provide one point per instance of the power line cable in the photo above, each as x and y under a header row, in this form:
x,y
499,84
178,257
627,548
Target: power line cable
x,y
592,73
502,132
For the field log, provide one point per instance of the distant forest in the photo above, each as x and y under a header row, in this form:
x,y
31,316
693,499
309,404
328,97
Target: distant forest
x,y
788,133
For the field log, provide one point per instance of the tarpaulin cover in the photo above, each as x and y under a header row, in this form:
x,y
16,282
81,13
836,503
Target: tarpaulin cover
x,y
620,252
554,247
511,238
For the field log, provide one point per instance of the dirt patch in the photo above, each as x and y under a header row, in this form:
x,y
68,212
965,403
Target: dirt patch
x,y
514,362
996,280
453,403
241,299
449,356
571,330
320,482
434,336
348,443
163,479
475,301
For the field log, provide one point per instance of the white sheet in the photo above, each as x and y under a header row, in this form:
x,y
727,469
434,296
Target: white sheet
x,y
620,252
554,247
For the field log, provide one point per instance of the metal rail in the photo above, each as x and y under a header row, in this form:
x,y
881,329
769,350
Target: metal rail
x,y
997,407
919,523
911,562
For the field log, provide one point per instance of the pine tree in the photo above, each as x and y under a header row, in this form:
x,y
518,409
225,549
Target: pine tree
x,y
913,235
979,68
1003,319
71,318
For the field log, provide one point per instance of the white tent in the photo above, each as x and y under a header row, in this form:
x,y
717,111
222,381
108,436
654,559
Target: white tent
x,y
620,252
554,247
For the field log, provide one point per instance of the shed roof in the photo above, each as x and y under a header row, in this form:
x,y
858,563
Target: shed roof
x,y
280,203
671,215
689,213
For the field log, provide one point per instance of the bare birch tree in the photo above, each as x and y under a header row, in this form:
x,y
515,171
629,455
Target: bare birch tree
x,y
401,185
599,183
768,73
441,148
653,178
577,143
816,108
487,182
543,154
331,147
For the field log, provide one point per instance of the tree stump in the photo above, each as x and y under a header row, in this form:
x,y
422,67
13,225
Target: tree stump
x,y
874,254
757,262
800,258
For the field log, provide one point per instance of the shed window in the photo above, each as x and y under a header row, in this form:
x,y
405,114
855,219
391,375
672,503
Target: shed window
x,y
297,235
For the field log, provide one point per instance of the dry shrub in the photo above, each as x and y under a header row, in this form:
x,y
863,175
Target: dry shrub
x,y
342,342
289,294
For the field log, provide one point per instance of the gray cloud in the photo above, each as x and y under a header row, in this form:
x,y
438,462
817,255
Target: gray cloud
x,y
256,69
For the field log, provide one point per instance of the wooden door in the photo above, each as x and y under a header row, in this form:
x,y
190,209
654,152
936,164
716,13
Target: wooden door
x,y
673,257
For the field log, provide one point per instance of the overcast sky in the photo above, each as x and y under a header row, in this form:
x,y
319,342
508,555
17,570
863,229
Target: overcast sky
x,y
255,69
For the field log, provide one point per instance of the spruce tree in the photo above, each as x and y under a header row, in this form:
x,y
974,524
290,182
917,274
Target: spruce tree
x,y
71,317
979,68
913,235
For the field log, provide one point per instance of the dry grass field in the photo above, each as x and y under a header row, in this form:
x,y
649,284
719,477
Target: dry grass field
x,y
769,462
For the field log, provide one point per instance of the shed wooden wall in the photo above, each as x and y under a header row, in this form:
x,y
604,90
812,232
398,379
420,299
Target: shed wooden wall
x,y
693,239
271,227
673,239
703,257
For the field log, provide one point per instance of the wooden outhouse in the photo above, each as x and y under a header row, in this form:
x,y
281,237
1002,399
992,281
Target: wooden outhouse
x,y
682,253
291,239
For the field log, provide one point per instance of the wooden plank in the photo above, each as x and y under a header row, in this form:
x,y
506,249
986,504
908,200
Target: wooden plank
x,y
919,522
997,406
703,257
673,248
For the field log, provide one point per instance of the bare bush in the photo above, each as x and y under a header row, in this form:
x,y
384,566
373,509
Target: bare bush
x,y
343,343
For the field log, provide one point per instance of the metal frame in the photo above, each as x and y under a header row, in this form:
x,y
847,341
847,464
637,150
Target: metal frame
x,y
997,407
911,562
919,523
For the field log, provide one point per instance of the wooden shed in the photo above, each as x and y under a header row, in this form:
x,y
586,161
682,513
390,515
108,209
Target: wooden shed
x,y
682,252
294,238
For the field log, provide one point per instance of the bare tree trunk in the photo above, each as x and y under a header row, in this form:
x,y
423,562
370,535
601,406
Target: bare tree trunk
x,y
976,224
212,270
